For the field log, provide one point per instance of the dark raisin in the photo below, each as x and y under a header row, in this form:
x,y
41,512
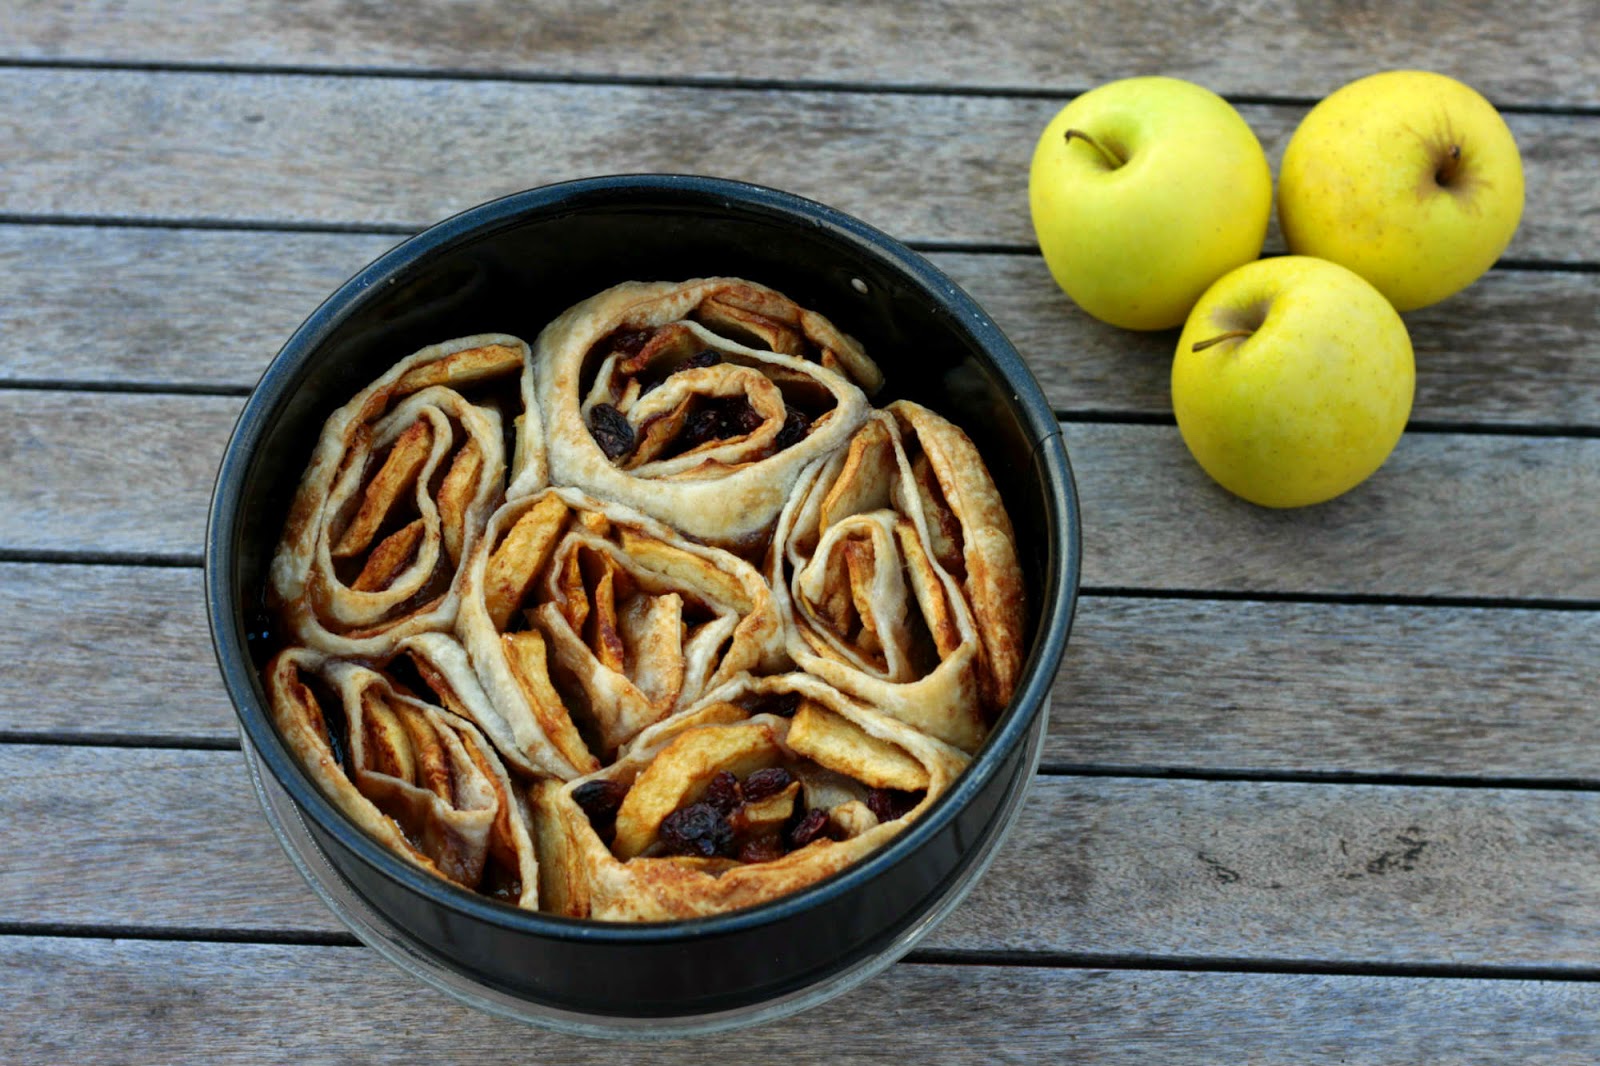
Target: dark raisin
x,y
809,828
741,419
762,849
600,801
698,829
763,783
611,430
631,341
735,415
600,798
795,427
701,426
699,360
749,420
889,804
724,793
784,704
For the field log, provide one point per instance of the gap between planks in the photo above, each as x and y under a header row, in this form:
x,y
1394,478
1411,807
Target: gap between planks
x,y
1133,418
1352,877
1046,769
667,81
918,957
378,229
188,561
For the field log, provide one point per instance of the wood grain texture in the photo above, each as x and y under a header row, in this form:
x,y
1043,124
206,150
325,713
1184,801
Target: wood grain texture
x,y
163,307
1250,48
275,147
108,650
1518,347
1156,684
1243,871
1255,870
1446,515
1227,874
1328,688
115,1001
108,472
1522,514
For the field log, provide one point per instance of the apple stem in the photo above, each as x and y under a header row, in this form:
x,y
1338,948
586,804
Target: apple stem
x,y
1110,156
1219,338
1446,174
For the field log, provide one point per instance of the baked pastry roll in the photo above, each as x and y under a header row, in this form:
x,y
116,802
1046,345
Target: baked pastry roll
x,y
895,570
697,403
421,780
399,486
719,631
437,668
970,536
587,622
769,785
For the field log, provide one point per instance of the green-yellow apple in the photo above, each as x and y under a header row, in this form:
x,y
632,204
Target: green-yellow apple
x,y
1292,381
1144,191
1410,179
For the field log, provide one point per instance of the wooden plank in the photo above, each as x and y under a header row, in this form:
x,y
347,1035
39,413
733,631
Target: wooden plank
x,y
400,151
1518,347
1260,870
1534,56
161,307
107,472
1296,687
199,307
77,1000
108,650
1251,871
1293,687
1447,515
1152,519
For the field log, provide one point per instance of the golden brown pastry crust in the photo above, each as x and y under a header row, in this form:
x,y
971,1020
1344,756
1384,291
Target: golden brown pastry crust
x,y
407,442
422,781
867,606
615,610
992,578
598,632
447,671
726,491
584,878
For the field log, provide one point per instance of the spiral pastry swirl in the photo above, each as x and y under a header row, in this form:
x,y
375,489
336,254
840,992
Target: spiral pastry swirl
x,y
399,487
697,403
766,786
588,622
872,564
421,780
655,619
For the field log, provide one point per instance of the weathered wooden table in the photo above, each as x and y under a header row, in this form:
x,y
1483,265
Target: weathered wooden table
x,y
1320,786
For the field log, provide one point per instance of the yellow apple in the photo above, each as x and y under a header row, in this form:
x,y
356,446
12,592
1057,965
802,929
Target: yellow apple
x,y
1144,191
1293,381
1410,179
